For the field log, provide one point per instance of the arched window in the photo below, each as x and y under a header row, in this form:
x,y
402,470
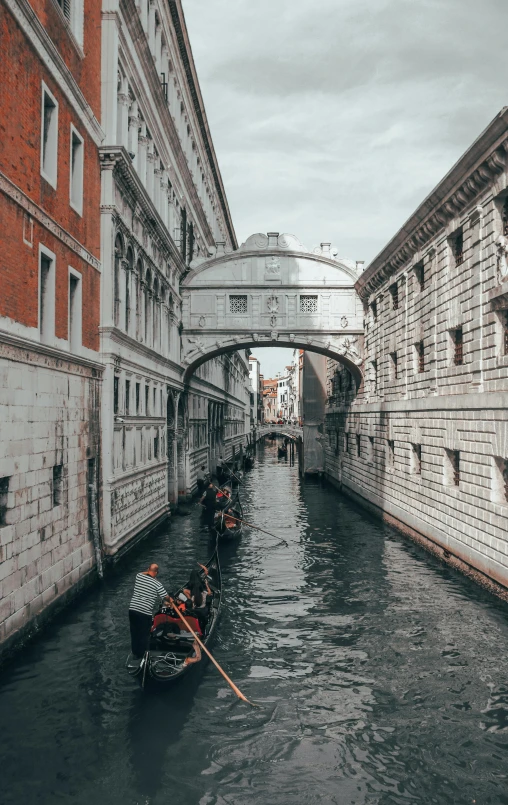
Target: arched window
x,y
116,279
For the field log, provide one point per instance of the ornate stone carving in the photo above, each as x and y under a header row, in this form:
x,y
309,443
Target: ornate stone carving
x,y
348,348
255,336
202,321
502,263
273,304
273,321
344,322
274,335
272,266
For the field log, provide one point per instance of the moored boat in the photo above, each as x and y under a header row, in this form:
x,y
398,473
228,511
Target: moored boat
x,y
171,641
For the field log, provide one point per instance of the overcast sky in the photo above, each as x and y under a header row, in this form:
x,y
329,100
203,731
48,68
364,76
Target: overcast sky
x,y
332,120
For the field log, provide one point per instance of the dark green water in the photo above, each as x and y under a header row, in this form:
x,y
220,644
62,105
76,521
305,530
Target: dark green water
x,y
381,675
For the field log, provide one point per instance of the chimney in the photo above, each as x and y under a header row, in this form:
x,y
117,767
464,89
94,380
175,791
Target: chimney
x,y
220,247
273,238
325,249
359,266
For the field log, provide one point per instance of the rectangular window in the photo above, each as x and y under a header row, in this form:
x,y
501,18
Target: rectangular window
x,y
4,491
373,310
419,272
76,172
504,323
154,409
358,445
127,397
374,376
458,352
116,383
394,290
420,356
390,454
237,303
46,295
49,136
346,442
75,311
138,393
308,304
458,247
452,468
416,459
147,400
57,484
156,445
395,366
370,449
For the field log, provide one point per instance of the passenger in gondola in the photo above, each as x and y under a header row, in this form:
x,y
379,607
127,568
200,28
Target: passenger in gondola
x,y
195,657
201,479
209,502
147,597
230,521
197,592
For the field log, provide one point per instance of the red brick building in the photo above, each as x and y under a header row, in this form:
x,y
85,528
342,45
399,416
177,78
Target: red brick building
x,y
50,278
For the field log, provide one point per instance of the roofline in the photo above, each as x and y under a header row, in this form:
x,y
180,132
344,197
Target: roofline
x,y
178,18
408,239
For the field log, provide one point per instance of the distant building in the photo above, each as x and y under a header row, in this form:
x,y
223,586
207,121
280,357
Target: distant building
x,y
270,400
256,399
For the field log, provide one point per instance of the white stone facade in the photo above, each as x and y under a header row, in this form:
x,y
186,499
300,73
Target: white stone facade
x,y
426,439
163,204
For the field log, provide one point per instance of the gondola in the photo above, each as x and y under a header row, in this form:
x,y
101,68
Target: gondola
x,y
163,663
226,497
223,532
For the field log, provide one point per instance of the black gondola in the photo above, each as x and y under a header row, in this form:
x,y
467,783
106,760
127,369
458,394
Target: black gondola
x,y
221,526
164,662
226,497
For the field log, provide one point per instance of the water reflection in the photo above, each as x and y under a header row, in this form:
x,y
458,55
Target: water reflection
x,y
381,675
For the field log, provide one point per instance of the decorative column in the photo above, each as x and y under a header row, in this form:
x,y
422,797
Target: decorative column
x,y
109,72
151,26
157,182
142,311
124,102
157,49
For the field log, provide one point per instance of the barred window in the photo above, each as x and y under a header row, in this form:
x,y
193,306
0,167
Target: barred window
x,y
419,272
504,315
395,365
65,5
420,356
417,459
458,348
308,304
458,247
394,290
390,453
238,304
358,445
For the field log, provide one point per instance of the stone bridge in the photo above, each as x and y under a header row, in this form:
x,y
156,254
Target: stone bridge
x,y
294,432
272,292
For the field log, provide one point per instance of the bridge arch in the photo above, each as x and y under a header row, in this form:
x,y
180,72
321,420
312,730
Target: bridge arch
x,y
273,291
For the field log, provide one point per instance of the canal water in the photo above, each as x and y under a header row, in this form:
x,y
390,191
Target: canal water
x,y
381,675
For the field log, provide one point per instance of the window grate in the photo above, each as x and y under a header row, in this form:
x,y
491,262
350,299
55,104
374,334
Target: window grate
x,y
394,290
237,304
417,449
395,363
57,484
458,248
420,352
116,382
419,271
308,304
358,445
458,357
455,460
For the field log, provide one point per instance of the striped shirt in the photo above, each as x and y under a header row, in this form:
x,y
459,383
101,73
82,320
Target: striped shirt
x,y
148,595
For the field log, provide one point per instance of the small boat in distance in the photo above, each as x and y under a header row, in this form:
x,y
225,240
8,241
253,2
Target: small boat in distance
x,y
171,643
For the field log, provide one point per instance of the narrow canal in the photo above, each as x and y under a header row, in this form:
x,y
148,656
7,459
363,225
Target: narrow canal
x,y
381,675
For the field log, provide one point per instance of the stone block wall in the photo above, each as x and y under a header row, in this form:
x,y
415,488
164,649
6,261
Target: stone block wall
x,y
425,439
48,442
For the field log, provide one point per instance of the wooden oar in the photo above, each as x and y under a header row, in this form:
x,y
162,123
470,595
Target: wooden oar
x,y
239,520
224,674
249,524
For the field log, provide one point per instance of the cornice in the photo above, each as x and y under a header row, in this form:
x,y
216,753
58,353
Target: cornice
x,y
63,361
137,33
49,55
178,19
119,337
476,169
31,208
117,159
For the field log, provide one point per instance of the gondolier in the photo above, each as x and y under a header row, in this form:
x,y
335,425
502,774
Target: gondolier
x,y
147,597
